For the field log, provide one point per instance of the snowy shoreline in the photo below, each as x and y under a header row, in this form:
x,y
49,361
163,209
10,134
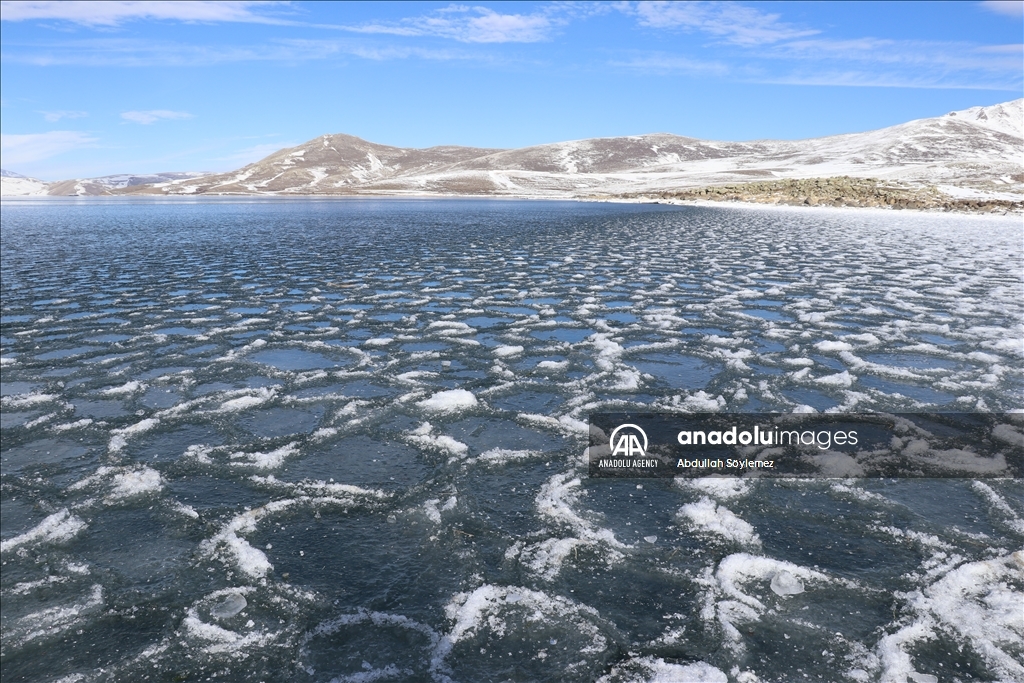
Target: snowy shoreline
x,y
706,203
824,208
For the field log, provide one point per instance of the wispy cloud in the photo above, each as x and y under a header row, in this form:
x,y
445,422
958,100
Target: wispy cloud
x,y
124,52
24,149
661,62
462,23
117,13
301,50
865,79
54,116
758,47
475,25
908,63
1011,8
947,54
154,115
1014,49
730,22
865,62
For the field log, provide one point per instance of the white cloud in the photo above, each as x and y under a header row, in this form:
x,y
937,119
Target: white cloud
x,y
938,64
1012,49
473,25
137,53
153,115
866,79
863,61
320,49
54,116
731,22
1012,8
380,54
662,63
116,13
24,149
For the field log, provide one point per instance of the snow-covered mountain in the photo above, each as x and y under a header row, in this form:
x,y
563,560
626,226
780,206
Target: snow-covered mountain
x,y
109,183
329,164
977,151
16,185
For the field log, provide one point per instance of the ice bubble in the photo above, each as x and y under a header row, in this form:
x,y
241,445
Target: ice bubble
x,y
784,583
232,604
651,539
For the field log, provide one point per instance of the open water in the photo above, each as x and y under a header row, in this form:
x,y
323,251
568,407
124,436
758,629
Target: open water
x,y
300,440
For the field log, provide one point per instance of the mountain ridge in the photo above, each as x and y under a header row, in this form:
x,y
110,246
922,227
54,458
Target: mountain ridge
x,y
977,151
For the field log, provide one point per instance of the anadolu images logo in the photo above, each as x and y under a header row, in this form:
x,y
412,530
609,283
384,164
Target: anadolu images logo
x,y
628,443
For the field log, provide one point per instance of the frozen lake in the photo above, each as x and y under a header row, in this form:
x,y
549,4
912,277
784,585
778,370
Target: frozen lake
x,y
300,440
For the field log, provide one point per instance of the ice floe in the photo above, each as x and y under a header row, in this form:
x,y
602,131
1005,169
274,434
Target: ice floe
x,y
59,527
453,400
707,517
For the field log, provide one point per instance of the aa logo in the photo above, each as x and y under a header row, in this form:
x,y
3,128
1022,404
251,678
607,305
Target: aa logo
x,y
628,440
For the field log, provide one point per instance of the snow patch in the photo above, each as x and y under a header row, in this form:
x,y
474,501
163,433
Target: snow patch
x,y
451,401
424,437
59,527
707,517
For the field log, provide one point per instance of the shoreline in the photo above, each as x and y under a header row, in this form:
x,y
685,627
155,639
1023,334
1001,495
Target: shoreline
x,y
847,192
743,204
861,210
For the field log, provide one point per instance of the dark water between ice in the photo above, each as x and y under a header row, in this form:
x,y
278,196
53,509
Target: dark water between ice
x,y
341,441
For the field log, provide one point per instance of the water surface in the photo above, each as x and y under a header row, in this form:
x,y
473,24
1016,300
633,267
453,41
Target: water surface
x,y
341,441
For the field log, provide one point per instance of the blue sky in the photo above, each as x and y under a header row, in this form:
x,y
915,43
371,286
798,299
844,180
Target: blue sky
x,y
99,88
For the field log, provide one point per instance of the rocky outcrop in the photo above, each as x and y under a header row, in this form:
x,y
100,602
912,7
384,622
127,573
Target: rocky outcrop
x,y
839,191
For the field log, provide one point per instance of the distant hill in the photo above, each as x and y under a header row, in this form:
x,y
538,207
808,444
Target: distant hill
x,y
977,151
17,185
103,185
